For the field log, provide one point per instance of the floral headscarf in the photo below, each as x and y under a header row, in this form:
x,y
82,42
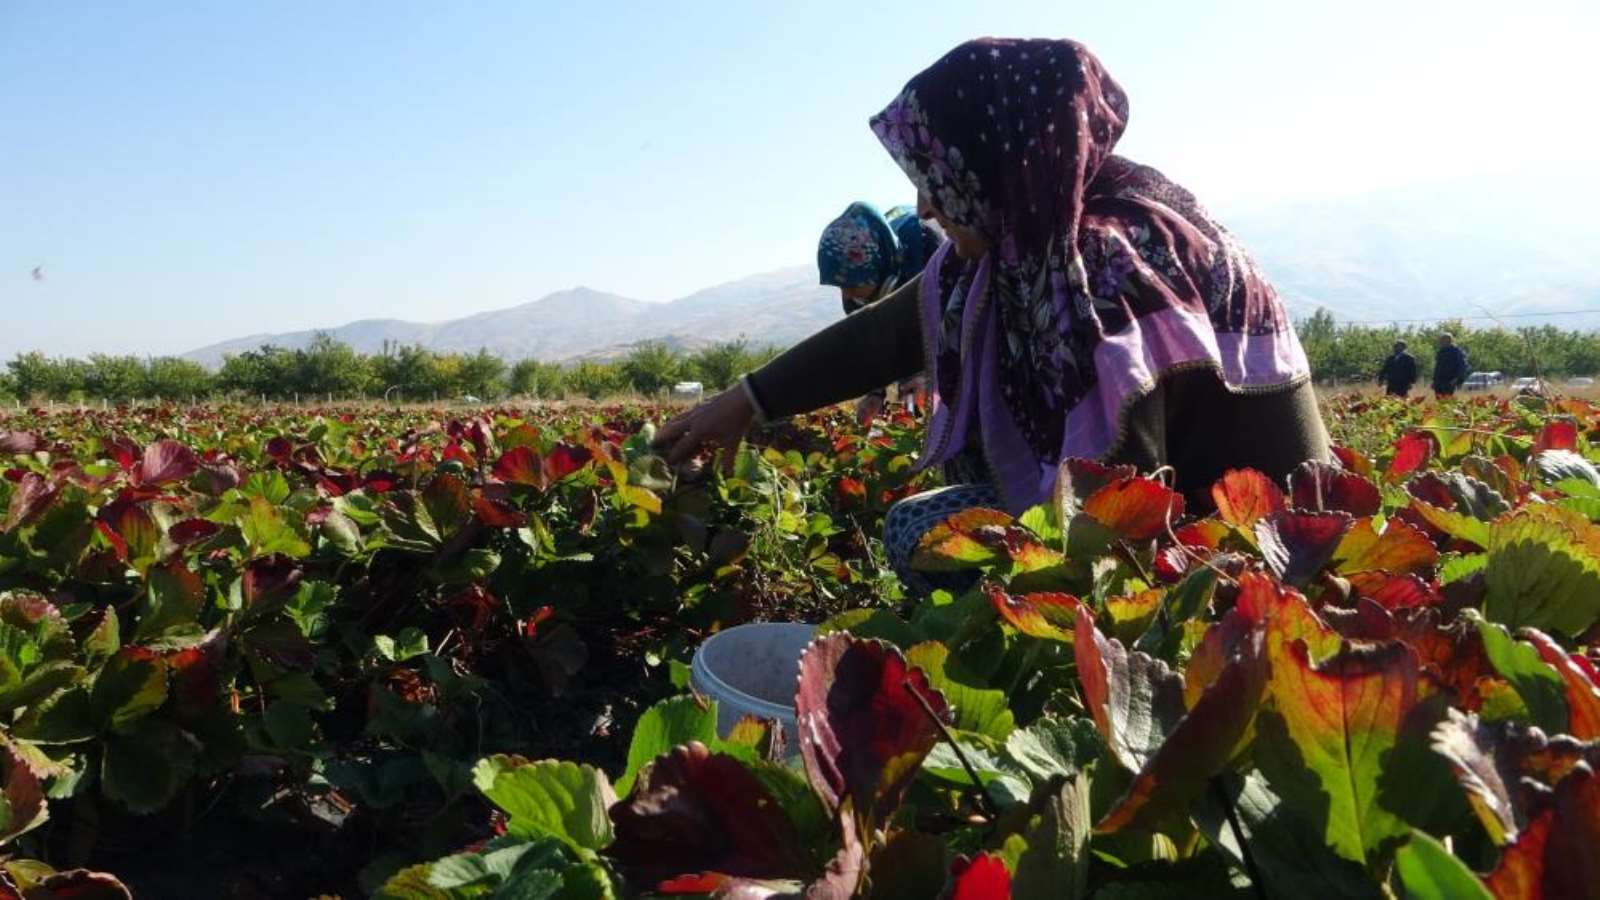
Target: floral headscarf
x,y
866,248
1101,276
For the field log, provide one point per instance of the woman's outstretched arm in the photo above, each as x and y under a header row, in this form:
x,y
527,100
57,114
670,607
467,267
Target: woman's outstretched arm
x,y
869,349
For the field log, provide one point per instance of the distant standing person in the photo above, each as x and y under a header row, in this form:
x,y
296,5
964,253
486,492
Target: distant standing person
x,y
867,255
1399,371
1449,366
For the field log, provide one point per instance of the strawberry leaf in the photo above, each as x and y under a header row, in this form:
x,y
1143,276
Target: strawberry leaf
x,y
1297,545
1319,486
165,462
1135,509
1582,695
674,721
1134,698
1539,575
1430,872
1399,548
1245,496
975,706
1050,616
1506,769
1538,684
863,727
560,800
1200,745
1324,744
697,811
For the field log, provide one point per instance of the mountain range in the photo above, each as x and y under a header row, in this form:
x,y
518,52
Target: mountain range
x,y
1517,248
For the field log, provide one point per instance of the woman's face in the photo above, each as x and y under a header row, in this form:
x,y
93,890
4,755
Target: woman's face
x,y
860,293
969,242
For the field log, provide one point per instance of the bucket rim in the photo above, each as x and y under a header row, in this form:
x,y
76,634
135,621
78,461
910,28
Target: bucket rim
x,y
701,672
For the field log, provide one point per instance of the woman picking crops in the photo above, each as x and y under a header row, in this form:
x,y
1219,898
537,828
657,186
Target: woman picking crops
x,y
866,255
1084,305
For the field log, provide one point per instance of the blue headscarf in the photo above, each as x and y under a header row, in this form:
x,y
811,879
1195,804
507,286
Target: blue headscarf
x,y
864,247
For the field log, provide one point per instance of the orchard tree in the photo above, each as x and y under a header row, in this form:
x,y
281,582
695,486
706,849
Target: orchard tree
x,y
533,378
651,367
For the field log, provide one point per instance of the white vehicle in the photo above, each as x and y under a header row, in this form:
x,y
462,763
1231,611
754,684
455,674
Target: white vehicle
x,y
1580,381
468,398
1482,381
1527,384
689,389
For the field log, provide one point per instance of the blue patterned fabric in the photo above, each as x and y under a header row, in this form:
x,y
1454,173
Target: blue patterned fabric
x,y
866,248
913,517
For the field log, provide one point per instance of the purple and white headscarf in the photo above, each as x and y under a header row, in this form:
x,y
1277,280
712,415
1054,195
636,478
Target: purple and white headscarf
x,y
1102,274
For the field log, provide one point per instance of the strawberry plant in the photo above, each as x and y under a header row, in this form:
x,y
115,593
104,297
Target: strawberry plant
x,y
345,650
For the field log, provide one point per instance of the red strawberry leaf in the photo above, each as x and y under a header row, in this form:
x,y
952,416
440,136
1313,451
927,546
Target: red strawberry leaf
x,y
1395,591
164,462
1297,545
16,443
1050,616
1411,453
29,499
696,811
1557,434
864,729
1507,769
1245,496
1135,509
521,465
1319,486
1400,547
563,460
1554,856
1079,479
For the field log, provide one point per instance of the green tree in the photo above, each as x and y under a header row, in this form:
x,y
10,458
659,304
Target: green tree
x,y
718,365
329,366
118,379
482,375
533,378
651,367
595,379
174,378
35,376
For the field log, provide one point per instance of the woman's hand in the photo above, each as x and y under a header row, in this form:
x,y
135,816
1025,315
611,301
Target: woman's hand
x,y
718,424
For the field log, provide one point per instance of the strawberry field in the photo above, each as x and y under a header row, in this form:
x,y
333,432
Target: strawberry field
x,y
426,654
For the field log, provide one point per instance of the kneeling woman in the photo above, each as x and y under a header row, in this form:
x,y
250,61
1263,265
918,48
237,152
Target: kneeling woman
x,y
1084,305
866,255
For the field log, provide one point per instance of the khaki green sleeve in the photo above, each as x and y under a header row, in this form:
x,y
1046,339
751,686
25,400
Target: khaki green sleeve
x,y
865,350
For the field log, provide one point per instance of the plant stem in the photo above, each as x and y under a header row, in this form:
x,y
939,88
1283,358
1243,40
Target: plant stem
x,y
1238,835
980,794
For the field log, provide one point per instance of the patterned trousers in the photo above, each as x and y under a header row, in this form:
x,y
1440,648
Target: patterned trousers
x,y
913,517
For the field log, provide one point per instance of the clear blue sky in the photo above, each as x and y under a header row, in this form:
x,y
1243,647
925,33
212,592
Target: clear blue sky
x,y
188,172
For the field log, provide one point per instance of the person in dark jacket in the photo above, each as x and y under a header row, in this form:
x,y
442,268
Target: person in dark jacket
x,y
1449,366
1399,371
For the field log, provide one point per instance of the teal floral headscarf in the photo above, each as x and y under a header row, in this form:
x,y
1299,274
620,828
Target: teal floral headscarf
x,y
866,248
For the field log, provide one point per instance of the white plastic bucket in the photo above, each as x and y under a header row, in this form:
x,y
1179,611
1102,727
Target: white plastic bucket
x,y
751,670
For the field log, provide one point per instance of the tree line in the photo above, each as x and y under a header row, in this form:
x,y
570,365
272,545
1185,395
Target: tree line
x,y
1349,353
1339,354
329,368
